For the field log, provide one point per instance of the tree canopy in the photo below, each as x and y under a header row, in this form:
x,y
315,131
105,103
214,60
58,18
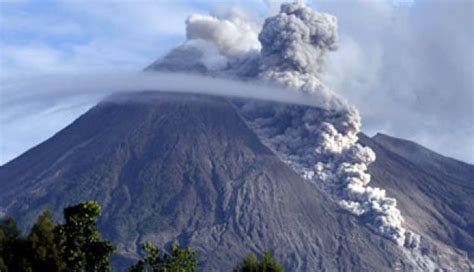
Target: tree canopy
x,y
76,245
267,264
177,260
72,246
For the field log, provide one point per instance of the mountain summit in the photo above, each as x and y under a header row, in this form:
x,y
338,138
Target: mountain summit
x,y
187,168
228,176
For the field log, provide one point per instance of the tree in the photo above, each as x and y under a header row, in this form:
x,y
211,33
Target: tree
x,y
178,260
250,263
44,252
72,246
12,249
79,239
76,246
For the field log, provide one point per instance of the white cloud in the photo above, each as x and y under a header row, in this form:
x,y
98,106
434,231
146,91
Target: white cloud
x,y
29,58
88,35
39,24
135,17
21,130
406,68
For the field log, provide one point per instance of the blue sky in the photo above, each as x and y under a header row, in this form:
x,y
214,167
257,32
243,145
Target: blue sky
x,y
43,36
407,65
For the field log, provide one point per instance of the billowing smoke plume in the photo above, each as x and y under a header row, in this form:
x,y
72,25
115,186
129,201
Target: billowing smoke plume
x,y
320,144
297,40
214,43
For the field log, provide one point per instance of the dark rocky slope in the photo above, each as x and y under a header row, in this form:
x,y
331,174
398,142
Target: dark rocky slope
x,y
187,168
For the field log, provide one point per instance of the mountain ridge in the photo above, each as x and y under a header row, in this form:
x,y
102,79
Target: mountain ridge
x,y
407,148
187,168
442,201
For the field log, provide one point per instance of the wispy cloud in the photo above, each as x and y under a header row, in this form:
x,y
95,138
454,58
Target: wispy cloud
x,y
56,87
406,67
87,35
28,117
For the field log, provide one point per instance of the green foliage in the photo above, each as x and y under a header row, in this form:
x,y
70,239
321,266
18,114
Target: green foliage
x,y
44,252
80,240
251,264
178,260
11,246
73,246
8,229
76,246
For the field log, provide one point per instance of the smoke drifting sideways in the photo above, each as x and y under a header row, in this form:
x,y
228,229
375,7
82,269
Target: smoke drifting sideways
x,y
58,87
320,144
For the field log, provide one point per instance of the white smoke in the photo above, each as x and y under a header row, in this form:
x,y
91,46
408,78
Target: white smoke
x,y
232,36
320,144
214,42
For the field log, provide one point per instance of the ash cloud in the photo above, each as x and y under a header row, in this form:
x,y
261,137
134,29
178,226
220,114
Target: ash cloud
x,y
408,69
319,143
294,46
297,39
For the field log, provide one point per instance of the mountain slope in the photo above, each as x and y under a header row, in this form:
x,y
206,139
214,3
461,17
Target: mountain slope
x,y
433,192
186,168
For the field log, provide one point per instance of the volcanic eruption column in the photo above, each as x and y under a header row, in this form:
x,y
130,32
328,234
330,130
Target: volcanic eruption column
x,y
320,144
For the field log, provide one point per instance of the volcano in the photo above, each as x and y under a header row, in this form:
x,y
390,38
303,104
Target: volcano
x,y
228,176
188,168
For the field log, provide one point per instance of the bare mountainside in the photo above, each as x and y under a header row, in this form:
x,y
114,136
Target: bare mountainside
x,y
435,193
187,168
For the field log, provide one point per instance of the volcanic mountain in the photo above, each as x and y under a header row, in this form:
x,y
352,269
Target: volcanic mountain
x,y
227,176
188,168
